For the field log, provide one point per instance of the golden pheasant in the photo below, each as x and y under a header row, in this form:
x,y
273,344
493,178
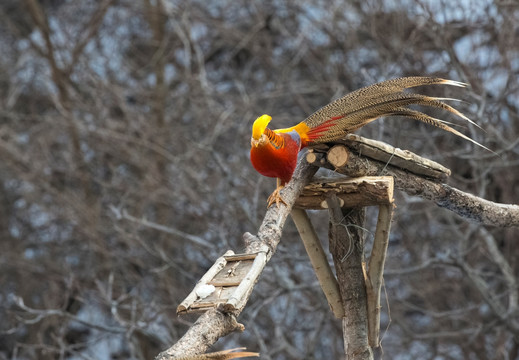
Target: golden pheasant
x,y
274,152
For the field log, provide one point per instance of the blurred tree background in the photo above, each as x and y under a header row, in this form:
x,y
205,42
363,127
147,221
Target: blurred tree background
x,y
124,138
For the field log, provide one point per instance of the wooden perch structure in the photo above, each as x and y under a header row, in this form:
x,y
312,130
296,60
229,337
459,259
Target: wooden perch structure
x,y
416,183
372,167
348,193
229,282
216,323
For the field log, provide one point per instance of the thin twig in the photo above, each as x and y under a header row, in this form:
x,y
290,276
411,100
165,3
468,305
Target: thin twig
x,y
167,229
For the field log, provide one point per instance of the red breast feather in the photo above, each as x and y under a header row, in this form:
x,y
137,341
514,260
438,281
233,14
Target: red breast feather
x,y
278,157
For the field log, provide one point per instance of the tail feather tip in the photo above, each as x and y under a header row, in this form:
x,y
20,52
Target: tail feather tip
x,y
454,83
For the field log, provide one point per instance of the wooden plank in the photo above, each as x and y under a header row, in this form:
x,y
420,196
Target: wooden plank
x,y
241,294
404,159
237,257
356,192
232,274
233,277
210,274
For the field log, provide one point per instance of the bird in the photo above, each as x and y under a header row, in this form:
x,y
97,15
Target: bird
x,y
274,152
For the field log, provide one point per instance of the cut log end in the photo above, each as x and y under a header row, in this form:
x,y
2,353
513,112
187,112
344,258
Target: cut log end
x,y
338,155
311,157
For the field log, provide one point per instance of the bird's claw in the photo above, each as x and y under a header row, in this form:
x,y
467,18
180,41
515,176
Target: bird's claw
x,y
275,197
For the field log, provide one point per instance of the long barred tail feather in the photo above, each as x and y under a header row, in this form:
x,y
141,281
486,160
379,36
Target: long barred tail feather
x,y
417,115
386,98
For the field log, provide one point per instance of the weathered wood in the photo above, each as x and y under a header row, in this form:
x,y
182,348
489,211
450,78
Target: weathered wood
x,y
375,272
347,247
236,257
319,261
220,295
356,192
210,274
209,327
234,272
388,154
241,295
337,155
231,279
466,205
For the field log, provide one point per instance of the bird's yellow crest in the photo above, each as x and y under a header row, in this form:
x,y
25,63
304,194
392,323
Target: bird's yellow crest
x,y
259,126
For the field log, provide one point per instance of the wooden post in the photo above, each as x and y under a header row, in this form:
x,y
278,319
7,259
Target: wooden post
x,y
347,247
319,261
375,272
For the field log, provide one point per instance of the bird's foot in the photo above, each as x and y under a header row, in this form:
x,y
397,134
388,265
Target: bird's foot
x,y
275,197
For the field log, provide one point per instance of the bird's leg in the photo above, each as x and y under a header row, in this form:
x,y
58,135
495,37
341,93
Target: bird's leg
x,y
275,197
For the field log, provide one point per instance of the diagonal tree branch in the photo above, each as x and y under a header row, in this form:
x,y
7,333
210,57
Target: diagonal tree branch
x,y
215,323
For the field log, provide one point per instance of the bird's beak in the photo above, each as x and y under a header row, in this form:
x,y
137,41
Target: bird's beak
x,y
254,142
